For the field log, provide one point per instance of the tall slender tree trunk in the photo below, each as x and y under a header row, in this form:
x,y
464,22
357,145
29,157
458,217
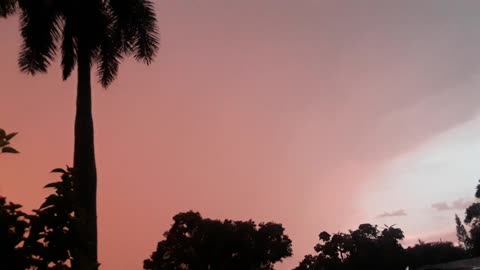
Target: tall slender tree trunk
x,y
85,172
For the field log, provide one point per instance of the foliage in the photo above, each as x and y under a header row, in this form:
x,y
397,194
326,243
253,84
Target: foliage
x,y
477,192
364,248
13,222
13,228
434,253
462,234
52,237
196,243
468,234
5,141
104,31
472,220
7,7
44,239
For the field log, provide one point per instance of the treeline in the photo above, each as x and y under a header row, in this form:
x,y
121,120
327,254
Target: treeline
x,y
368,247
46,239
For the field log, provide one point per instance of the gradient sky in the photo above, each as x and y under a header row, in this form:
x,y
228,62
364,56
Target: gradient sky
x,y
317,114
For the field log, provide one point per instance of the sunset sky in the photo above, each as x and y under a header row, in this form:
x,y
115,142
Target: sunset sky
x,y
320,115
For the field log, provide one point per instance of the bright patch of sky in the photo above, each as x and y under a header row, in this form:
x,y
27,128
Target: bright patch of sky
x,y
444,170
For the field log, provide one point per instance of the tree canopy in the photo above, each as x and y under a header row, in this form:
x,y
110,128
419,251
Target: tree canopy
x,y
468,234
434,253
198,243
364,248
101,31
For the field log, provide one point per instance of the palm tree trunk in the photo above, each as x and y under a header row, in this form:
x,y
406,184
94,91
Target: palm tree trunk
x,y
85,257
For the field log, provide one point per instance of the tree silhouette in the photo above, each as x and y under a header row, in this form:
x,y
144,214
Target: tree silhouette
x,y
52,237
472,220
86,32
196,243
13,227
462,234
13,222
477,192
44,240
434,253
364,248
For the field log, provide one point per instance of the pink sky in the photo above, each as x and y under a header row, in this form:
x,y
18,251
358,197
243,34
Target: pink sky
x,y
315,114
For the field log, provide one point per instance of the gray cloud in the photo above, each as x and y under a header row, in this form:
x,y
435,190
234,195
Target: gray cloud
x,y
396,213
441,206
460,204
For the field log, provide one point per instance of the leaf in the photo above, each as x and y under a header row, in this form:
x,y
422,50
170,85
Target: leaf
x,y
58,170
51,200
3,143
10,136
52,185
9,149
2,133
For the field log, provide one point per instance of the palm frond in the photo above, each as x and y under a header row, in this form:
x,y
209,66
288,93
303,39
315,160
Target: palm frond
x,y
108,61
40,33
147,40
69,50
7,7
105,30
137,25
108,53
122,15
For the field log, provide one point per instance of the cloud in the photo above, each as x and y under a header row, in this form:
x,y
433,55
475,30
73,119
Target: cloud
x,y
397,213
460,204
441,206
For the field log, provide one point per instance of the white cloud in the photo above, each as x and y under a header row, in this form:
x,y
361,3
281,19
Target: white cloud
x,y
460,204
396,213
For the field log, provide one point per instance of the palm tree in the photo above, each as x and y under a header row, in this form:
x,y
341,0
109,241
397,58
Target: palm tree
x,y
85,32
